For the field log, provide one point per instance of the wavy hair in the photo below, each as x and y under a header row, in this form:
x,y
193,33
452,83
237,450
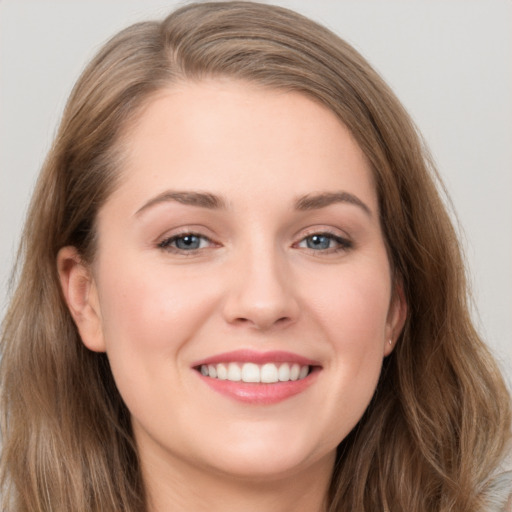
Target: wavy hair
x,y
440,418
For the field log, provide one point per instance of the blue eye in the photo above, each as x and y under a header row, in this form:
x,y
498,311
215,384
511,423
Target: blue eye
x,y
184,242
318,242
324,242
188,242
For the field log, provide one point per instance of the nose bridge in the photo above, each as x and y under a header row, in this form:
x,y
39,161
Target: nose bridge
x,y
261,292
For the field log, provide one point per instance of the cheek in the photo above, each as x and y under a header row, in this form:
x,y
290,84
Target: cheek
x,y
148,318
352,312
353,307
150,309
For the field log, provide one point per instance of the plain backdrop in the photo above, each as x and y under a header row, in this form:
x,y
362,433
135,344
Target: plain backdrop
x,y
449,61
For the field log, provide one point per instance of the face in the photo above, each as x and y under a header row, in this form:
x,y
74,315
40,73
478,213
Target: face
x,y
241,287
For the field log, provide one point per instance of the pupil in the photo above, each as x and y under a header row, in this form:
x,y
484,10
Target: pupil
x,y
318,242
188,242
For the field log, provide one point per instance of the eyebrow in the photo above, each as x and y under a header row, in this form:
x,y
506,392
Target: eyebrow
x,y
324,199
214,202
201,199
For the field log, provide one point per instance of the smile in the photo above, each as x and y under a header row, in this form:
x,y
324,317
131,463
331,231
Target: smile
x,y
268,373
258,378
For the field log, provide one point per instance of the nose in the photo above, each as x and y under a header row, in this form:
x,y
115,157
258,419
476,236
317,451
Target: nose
x,y
261,293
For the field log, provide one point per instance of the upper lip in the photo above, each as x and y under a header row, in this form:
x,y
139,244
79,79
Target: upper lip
x,y
251,356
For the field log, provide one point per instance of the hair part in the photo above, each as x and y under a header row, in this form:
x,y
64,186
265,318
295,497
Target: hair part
x,y
440,417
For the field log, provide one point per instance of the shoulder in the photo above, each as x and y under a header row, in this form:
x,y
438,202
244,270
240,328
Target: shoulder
x,y
498,493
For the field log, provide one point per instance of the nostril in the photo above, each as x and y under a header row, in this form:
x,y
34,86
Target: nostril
x,y
262,323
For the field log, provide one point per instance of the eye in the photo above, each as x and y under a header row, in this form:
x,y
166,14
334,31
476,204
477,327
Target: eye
x,y
185,242
325,242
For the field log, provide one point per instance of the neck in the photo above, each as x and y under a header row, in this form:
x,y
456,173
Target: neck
x,y
183,488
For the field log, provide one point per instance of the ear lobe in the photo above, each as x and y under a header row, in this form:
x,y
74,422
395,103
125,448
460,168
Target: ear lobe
x,y
397,315
81,297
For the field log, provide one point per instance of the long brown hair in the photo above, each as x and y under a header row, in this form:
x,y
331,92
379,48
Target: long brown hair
x,y
440,418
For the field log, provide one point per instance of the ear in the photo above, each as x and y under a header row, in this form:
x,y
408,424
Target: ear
x,y
397,315
81,297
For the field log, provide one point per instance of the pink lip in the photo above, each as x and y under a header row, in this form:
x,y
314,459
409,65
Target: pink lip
x,y
251,356
259,393
262,394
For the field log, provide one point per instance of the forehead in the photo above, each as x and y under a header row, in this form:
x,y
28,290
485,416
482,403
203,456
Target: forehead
x,y
235,138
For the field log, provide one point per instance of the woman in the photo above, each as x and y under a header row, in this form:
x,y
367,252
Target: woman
x,y
241,291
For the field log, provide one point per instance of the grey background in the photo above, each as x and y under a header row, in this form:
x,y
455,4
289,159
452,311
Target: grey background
x,y
449,61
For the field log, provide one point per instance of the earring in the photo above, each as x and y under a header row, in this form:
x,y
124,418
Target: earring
x,y
390,341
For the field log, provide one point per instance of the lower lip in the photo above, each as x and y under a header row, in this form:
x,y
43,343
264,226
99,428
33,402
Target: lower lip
x,y
260,393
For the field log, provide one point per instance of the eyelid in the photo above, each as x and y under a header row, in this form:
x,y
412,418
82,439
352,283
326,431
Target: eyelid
x,y
165,241
344,242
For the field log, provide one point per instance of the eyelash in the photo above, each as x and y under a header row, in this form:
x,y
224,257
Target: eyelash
x,y
343,244
167,243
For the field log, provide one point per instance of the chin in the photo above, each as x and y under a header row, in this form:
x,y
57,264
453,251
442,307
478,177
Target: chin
x,y
264,457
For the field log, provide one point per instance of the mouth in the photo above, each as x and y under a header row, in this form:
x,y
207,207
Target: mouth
x,y
268,373
258,378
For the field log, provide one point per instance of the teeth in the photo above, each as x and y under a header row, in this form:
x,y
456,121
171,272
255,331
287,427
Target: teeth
x,y
303,372
284,372
269,373
294,372
250,372
222,372
234,372
212,371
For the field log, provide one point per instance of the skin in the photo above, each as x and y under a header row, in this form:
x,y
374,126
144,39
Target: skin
x,y
253,284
